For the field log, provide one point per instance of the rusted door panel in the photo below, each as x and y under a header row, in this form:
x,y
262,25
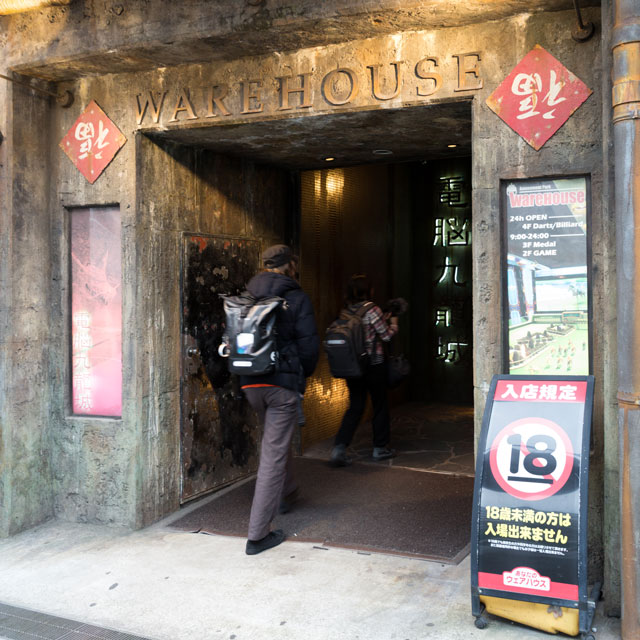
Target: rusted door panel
x,y
219,437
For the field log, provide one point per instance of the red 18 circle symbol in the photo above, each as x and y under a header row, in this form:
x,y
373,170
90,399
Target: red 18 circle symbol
x,y
531,458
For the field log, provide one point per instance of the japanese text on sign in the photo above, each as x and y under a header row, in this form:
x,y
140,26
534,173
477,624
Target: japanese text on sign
x,y
82,376
540,391
527,578
538,532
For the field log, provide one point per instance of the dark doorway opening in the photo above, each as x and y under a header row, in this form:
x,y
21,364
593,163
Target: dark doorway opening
x,y
408,226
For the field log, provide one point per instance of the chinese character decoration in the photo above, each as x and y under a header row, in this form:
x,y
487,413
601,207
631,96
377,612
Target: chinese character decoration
x,y
450,191
538,97
92,142
451,351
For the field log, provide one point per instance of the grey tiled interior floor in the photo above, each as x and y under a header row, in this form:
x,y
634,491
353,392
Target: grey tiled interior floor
x,y
427,436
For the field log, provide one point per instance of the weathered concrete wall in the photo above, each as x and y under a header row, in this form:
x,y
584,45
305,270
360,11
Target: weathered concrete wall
x,y
500,154
26,498
182,189
126,470
94,460
88,38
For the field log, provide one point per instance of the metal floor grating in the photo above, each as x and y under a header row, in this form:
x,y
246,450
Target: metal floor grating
x,y
23,624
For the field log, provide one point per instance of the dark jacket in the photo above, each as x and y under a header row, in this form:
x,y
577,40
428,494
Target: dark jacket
x,y
297,336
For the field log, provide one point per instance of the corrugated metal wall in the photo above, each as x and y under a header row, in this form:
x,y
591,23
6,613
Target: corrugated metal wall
x,y
346,228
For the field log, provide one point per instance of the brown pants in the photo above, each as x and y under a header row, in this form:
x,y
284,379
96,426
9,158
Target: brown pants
x,y
277,411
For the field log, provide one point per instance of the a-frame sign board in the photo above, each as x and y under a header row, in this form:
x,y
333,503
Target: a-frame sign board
x,y
529,528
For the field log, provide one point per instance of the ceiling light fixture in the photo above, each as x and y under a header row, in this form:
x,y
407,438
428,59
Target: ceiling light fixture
x,y
329,159
382,152
452,146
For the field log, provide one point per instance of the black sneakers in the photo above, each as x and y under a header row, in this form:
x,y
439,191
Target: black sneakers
x,y
272,539
383,453
339,457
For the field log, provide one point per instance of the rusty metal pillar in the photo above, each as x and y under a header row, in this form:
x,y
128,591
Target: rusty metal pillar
x,y
626,127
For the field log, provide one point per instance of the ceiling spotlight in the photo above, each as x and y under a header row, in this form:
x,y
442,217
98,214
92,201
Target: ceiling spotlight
x,y
382,152
452,146
329,159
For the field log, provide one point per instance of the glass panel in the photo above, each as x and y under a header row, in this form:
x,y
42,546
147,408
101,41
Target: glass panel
x,y
96,311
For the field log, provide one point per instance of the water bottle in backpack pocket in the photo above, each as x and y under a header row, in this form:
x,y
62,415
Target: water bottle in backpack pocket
x,y
249,341
345,346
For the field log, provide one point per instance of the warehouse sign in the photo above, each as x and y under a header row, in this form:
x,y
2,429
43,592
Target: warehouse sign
x,y
530,498
538,97
283,91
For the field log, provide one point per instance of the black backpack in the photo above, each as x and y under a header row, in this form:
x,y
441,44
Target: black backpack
x,y
249,340
345,344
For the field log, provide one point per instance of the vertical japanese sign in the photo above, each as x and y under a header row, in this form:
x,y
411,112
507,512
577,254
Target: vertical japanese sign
x,y
546,275
451,291
92,142
530,497
96,312
538,97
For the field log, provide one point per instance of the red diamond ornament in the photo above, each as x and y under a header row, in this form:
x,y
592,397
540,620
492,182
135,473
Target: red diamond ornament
x,y
92,142
538,97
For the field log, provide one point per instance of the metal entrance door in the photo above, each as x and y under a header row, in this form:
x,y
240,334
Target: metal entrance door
x,y
218,434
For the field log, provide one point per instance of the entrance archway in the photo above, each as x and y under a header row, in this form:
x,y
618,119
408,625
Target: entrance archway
x,y
269,172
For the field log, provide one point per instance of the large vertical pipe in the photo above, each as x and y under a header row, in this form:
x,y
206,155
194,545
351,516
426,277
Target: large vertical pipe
x,y
626,125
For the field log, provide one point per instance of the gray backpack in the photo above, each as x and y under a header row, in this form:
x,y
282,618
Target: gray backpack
x,y
345,346
249,340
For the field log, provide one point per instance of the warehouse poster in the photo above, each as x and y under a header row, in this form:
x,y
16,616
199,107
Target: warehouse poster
x,y
546,276
530,496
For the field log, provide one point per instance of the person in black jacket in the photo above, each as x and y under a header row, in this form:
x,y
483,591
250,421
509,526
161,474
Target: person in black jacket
x,y
276,396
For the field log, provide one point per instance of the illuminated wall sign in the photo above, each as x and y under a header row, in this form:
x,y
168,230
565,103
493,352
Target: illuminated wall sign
x,y
92,142
546,276
96,312
451,255
538,97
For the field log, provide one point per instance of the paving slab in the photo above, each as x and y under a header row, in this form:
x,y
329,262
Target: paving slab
x,y
167,585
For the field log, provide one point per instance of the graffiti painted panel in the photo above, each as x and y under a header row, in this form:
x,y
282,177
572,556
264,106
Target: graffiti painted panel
x,y
96,311
218,433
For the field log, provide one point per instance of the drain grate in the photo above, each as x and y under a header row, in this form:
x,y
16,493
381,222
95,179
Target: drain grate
x,y
23,624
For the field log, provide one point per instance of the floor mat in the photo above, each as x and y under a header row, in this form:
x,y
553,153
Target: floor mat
x,y
364,506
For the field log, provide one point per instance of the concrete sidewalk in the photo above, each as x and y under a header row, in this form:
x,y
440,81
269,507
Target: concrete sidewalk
x,y
169,585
